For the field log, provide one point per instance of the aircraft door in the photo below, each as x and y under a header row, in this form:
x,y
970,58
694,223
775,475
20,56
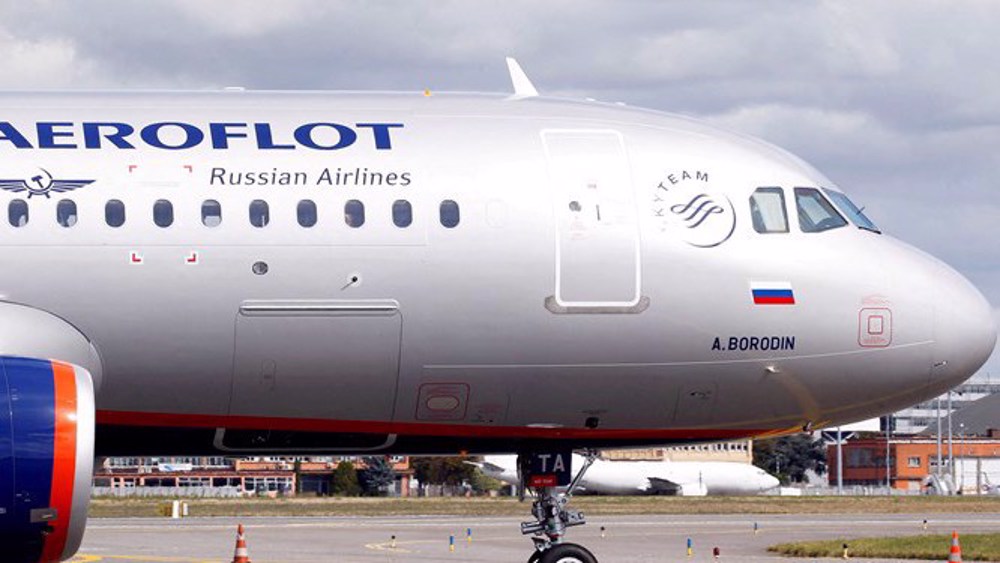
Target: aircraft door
x,y
334,360
597,246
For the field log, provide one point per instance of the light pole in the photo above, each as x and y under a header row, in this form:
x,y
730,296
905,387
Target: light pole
x,y
961,453
938,402
951,451
888,454
840,462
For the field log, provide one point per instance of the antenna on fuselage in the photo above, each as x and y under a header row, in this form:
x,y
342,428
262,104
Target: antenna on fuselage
x,y
523,88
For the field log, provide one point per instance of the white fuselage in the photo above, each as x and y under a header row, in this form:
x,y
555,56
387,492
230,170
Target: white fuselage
x,y
682,478
521,270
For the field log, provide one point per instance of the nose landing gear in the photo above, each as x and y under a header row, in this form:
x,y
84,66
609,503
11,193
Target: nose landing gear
x,y
563,553
552,516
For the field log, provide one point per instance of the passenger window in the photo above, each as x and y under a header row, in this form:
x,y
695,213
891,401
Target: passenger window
x,y
66,212
767,210
211,213
114,213
402,213
354,213
17,212
815,212
259,213
163,213
306,212
449,214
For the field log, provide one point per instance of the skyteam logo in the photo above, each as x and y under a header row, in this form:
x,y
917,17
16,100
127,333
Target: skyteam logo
x,y
687,206
42,183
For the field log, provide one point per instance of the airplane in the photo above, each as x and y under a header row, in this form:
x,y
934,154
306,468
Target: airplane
x,y
243,272
680,478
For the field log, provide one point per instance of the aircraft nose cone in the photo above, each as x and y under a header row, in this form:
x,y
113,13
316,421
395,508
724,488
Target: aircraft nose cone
x,y
770,482
965,333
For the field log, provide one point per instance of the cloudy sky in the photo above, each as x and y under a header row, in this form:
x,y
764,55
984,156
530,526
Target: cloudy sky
x,y
896,101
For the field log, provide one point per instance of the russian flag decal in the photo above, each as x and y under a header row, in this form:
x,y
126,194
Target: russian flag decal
x,y
772,293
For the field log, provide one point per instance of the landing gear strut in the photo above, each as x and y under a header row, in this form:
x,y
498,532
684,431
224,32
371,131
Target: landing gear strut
x,y
552,517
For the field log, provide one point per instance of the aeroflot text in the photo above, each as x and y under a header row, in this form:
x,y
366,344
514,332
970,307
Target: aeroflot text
x,y
744,343
177,135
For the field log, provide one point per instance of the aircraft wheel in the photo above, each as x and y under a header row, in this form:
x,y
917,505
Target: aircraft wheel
x,y
566,553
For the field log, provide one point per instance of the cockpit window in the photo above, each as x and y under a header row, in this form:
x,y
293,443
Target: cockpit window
x,y
815,212
767,209
855,214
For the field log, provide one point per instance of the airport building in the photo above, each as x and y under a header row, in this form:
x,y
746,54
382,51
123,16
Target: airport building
x,y
231,477
912,460
739,451
917,418
913,444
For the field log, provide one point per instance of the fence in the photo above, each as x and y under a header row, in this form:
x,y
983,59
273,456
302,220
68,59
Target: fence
x,y
144,492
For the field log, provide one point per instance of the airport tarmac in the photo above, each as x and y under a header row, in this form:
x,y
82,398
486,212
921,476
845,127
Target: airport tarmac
x,y
626,538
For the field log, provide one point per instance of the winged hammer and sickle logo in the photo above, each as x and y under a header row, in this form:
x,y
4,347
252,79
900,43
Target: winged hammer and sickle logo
x,y
42,184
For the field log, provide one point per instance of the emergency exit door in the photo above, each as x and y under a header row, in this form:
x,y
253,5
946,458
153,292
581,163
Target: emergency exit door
x,y
597,239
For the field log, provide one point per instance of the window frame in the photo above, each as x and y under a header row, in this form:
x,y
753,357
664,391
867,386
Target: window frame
x,y
75,214
830,207
120,205
10,213
350,218
784,210
163,204
259,204
402,204
442,213
854,214
206,204
299,213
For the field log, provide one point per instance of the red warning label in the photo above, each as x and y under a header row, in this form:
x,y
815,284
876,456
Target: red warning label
x,y
874,327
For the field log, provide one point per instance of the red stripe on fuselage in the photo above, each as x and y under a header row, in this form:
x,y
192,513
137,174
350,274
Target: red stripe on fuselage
x,y
169,420
64,459
774,300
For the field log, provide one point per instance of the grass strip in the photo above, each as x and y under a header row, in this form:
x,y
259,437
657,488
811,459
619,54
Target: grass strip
x,y
975,547
919,506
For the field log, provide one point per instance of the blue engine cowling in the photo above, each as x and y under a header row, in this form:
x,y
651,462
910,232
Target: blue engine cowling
x,y
46,458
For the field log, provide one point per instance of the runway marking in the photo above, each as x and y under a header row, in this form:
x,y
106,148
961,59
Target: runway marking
x,y
386,546
84,558
212,523
428,536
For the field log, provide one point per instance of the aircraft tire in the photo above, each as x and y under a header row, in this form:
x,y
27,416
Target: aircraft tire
x,y
565,553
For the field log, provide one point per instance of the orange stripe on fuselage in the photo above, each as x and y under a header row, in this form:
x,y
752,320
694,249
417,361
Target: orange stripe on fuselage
x,y
64,459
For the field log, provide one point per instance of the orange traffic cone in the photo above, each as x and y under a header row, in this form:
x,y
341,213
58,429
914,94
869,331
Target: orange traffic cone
x,y
956,549
241,555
